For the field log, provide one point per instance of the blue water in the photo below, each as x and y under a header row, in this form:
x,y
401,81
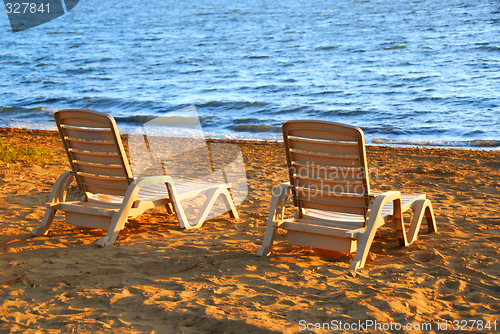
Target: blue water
x,y
404,71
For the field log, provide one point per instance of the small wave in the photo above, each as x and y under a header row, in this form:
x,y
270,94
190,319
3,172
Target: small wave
x,y
477,143
138,119
326,92
257,57
30,113
253,128
427,98
330,114
245,121
395,47
80,71
233,105
113,104
174,121
326,48
488,48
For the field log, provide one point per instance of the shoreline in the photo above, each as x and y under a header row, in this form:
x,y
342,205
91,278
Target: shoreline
x,y
489,144
159,278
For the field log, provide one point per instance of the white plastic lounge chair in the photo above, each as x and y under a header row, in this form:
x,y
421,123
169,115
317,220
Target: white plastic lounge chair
x,y
100,167
329,185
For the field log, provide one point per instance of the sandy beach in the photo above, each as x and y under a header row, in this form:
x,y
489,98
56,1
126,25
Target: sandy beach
x,y
158,278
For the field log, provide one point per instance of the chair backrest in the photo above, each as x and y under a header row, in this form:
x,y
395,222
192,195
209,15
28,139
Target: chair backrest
x,y
95,151
327,166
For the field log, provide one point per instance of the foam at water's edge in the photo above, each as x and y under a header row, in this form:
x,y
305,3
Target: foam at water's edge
x,y
478,143
262,136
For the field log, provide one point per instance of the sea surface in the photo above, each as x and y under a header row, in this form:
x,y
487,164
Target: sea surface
x,y
407,72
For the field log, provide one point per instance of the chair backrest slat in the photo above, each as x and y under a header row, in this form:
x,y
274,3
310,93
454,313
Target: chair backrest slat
x,y
325,160
99,169
88,133
106,190
331,186
332,206
95,151
91,146
112,182
323,134
327,166
83,119
323,146
96,157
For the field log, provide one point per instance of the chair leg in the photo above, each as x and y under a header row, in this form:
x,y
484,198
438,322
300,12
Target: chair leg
x,y
57,195
429,217
212,196
205,209
267,243
117,224
374,222
423,208
170,208
228,200
44,226
364,244
120,217
398,223
279,198
177,208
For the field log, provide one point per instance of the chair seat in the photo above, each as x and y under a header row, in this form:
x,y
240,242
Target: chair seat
x,y
184,188
333,229
345,221
107,205
98,209
407,201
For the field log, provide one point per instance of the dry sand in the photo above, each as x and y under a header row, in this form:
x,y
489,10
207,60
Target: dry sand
x,y
159,278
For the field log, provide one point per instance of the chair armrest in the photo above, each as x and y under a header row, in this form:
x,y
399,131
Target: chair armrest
x,y
149,180
58,193
133,189
377,204
278,202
